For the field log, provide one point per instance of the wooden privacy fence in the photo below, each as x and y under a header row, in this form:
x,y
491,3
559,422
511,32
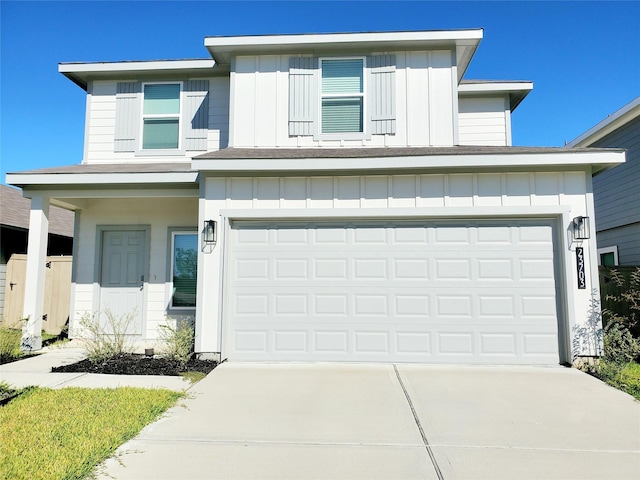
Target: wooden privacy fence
x,y
609,287
57,292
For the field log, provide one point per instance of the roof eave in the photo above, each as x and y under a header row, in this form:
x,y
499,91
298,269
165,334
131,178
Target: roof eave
x,y
608,125
464,42
23,180
596,161
516,90
82,73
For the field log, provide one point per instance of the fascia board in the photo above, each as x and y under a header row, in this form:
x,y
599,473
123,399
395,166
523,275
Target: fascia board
x,y
71,179
517,91
223,48
80,73
599,160
491,87
608,125
102,67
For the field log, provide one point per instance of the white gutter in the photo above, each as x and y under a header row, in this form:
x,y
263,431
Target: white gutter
x,y
74,179
600,160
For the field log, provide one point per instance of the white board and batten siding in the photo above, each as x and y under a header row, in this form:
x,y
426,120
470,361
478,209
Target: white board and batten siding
x,y
468,200
105,115
135,213
425,106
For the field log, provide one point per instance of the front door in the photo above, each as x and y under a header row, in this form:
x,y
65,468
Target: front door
x,y
122,278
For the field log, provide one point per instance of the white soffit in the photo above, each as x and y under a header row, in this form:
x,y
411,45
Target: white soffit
x,y
616,120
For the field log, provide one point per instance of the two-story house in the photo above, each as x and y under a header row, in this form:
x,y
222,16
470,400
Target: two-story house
x,y
325,197
617,191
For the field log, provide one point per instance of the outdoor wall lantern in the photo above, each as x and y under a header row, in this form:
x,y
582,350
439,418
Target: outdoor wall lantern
x,y
581,228
210,232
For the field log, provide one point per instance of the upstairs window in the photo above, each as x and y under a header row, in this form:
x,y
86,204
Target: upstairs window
x,y
327,97
342,102
184,269
161,116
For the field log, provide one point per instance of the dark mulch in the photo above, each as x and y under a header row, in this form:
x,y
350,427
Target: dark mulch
x,y
11,358
133,364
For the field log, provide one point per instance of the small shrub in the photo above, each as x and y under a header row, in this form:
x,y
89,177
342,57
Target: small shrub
x,y
623,376
619,344
629,301
177,341
104,340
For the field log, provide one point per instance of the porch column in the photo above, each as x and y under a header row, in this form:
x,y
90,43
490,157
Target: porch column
x,y
36,263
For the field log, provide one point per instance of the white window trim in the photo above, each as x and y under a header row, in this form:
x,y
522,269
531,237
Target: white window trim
x,y
350,135
161,151
172,234
604,250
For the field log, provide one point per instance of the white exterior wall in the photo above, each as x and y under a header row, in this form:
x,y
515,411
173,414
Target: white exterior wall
x,y
101,119
218,136
561,195
426,103
160,214
484,121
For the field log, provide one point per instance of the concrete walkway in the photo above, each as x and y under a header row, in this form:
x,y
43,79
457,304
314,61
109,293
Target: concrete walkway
x,y
37,371
327,421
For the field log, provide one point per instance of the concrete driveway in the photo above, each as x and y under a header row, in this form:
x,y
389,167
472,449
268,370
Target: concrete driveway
x,y
331,421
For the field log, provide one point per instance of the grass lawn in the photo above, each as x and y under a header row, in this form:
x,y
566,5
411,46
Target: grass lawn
x,y
64,434
10,344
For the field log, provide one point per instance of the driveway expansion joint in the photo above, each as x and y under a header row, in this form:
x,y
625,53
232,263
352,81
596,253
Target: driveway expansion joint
x,y
417,420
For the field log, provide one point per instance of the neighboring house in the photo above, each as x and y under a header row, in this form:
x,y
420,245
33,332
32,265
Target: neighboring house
x,y
342,197
617,191
14,230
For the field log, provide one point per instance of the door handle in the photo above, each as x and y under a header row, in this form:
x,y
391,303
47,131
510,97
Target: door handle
x,y
141,282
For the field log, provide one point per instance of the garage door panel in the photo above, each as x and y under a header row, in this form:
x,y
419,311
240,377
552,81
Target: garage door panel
x,y
392,291
438,306
390,345
534,266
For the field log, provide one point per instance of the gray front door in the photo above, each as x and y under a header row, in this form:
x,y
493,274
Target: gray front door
x,y
123,276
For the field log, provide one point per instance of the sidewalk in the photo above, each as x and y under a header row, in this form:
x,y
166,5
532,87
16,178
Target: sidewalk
x,y
37,371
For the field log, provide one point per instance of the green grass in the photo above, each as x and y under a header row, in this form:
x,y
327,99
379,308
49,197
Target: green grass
x,y
10,343
64,434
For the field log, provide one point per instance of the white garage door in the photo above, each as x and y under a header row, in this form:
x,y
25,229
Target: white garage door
x,y
432,292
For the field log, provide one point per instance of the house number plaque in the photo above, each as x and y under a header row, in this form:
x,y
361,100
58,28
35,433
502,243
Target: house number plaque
x,y
582,278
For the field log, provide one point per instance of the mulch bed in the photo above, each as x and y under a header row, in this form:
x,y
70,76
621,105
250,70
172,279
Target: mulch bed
x,y
134,364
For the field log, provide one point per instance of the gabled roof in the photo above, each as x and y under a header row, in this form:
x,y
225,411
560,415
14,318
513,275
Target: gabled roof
x,y
614,121
14,212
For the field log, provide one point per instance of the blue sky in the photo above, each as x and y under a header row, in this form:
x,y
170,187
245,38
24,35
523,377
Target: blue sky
x,y
583,57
